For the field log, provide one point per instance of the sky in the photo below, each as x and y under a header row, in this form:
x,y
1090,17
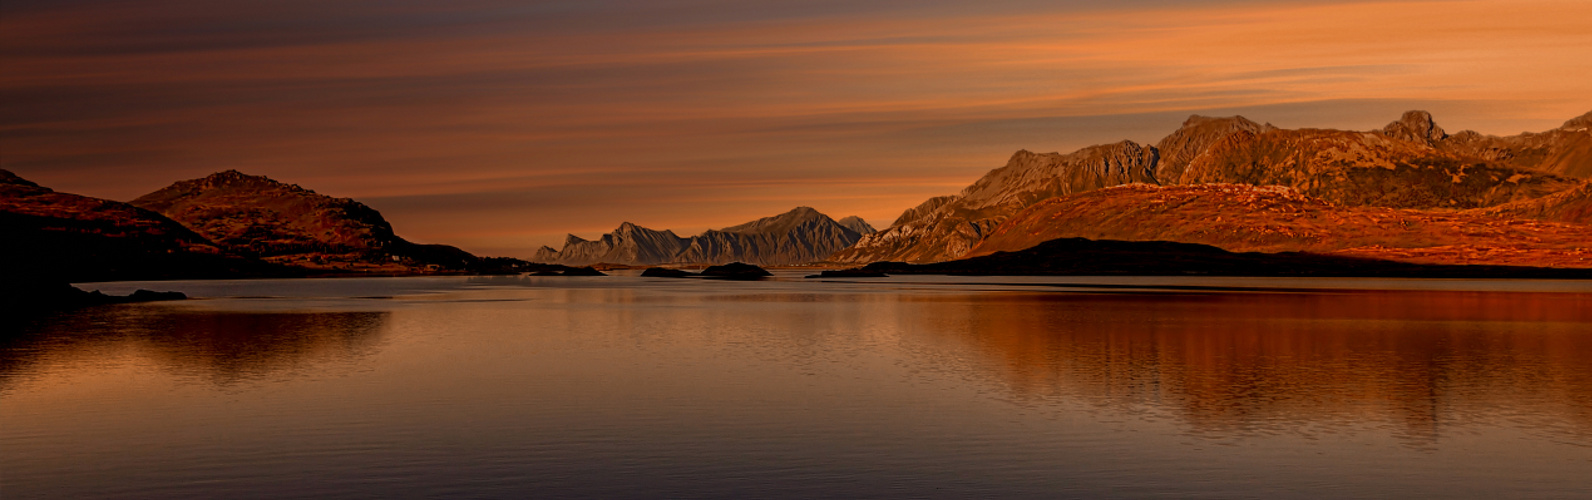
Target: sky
x,y
500,126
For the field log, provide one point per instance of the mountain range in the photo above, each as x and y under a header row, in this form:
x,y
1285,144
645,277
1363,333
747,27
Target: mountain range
x,y
1408,192
1411,164
799,236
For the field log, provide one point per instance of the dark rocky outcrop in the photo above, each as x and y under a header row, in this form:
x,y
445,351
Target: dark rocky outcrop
x,y
1084,257
25,296
664,272
736,271
583,271
847,273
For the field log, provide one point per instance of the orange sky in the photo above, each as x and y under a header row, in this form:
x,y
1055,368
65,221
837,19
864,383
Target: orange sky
x,y
499,126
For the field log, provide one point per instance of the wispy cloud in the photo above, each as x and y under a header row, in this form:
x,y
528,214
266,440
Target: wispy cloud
x,y
698,103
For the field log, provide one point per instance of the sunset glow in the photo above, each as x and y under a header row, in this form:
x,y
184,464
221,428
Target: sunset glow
x,y
501,126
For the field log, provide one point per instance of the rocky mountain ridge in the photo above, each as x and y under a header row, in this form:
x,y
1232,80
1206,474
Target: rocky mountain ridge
x,y
1411,163
799,236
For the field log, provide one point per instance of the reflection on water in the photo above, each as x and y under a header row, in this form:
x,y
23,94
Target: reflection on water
x,y
221,347
627,387
1231,365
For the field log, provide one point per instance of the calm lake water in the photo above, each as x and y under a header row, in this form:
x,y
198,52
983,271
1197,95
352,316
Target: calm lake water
x,y
920,387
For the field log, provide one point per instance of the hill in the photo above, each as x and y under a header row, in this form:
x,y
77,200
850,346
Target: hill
x,y
63,237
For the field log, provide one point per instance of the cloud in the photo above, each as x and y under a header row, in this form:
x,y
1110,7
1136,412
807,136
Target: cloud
x,y
703,102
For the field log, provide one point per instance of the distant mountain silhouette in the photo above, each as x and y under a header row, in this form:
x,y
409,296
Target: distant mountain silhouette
x,y
629,244
799,236
1411,164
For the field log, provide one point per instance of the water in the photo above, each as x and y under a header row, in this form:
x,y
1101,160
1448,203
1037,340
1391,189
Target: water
x,y
917,387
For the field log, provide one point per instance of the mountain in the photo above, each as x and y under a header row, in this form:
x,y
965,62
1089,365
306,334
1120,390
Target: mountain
x,y
799,236
1245,218
1085,257
1411,163
857,225
1394,167
288,224
952,226
629,244
72,238
1564,151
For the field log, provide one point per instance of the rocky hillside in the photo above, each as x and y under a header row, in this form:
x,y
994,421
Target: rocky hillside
x,y
287,224
946,227
799,236
1396,167
1245,218
1411,163
62,236
1564,151
1571,205
856,224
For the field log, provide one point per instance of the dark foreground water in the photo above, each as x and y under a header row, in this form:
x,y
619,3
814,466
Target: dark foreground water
x,y
625,387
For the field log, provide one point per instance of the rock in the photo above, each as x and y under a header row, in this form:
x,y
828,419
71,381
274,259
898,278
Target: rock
x,y
1415,126
26,296
848,273
583,271
142,295
736,271
664,272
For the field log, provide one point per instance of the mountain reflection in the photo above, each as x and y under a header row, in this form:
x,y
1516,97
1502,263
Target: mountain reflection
x,y
1235,364
223,348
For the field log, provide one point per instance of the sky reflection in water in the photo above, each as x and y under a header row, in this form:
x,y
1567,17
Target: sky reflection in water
x,y
627,387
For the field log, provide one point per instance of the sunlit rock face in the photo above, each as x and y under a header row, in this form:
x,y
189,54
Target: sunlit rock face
x,y
950,226
288,224
1246,218
1412,163
799,236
